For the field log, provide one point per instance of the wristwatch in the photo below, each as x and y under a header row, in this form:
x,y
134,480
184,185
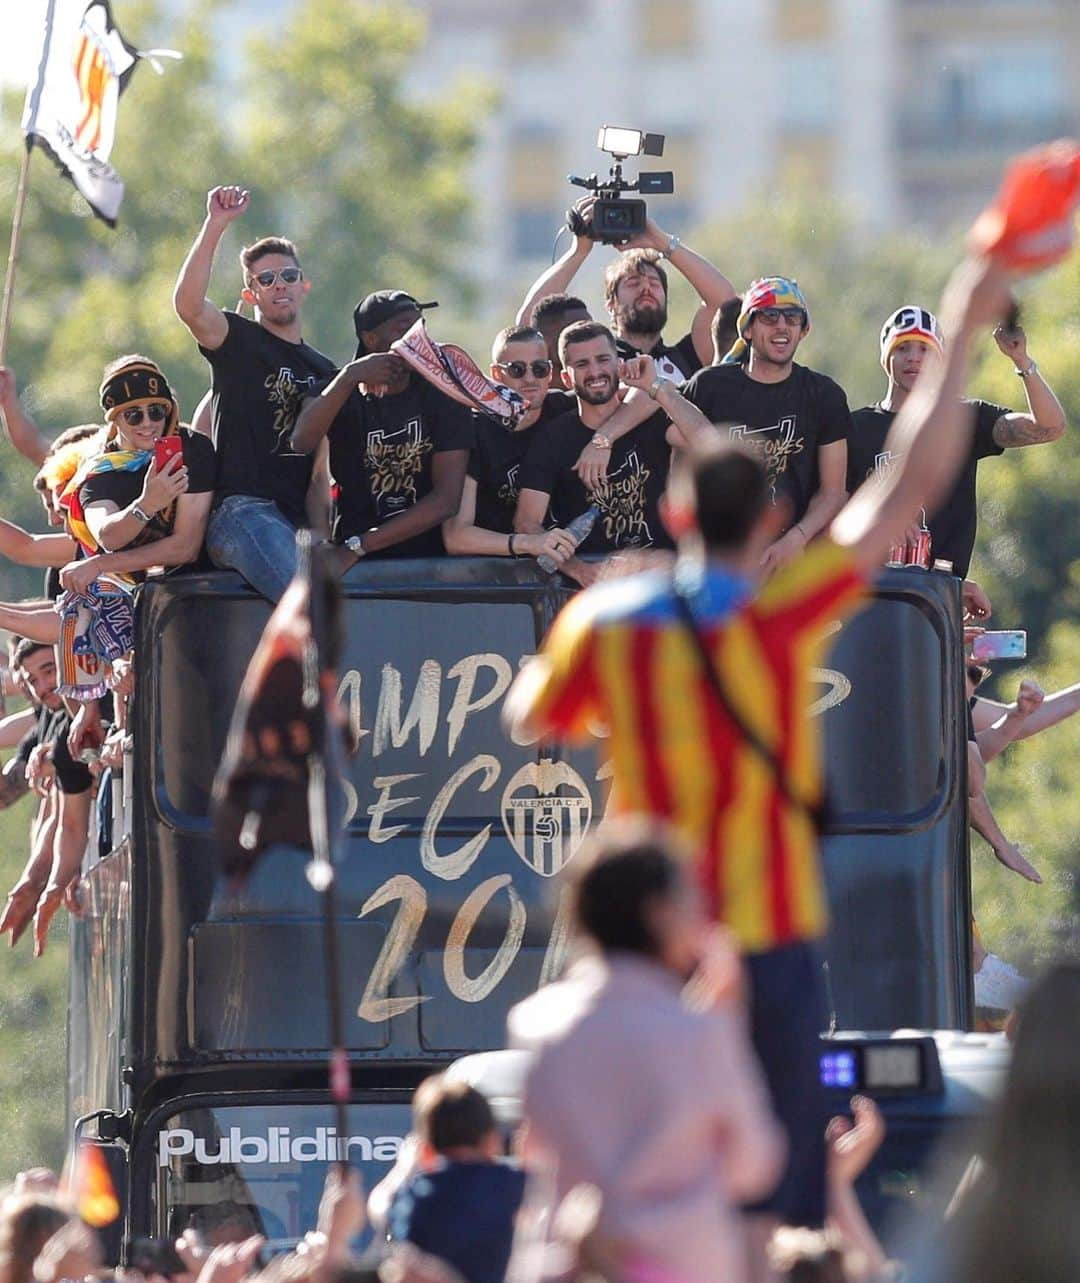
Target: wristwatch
x,y
1033,368
137,512
669,249
601,440
656,385
355,544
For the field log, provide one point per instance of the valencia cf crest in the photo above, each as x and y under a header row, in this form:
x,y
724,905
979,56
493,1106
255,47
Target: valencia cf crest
x,y
546,809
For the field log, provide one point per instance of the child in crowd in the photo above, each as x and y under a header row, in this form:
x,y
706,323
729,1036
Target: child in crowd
x,y
462,1205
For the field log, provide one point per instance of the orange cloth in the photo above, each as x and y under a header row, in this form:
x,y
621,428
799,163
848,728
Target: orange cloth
x,y
1030,224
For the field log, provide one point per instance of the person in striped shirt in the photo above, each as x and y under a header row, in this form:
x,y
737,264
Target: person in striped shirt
x,y
730,757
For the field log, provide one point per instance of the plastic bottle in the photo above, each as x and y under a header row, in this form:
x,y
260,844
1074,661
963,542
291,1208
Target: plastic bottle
x,y
578,530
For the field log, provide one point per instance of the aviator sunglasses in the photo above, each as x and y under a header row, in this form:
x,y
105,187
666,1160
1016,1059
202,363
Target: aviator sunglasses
x,y
516,369
288,276
153,413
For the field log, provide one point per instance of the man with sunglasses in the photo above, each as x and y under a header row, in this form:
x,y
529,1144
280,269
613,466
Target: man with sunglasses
x,y
484,524
261,371
398,446
911,338
796,418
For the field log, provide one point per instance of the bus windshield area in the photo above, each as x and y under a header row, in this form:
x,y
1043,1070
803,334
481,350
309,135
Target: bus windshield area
x,y
231,1171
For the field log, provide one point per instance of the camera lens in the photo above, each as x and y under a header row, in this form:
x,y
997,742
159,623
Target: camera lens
x,y
618,218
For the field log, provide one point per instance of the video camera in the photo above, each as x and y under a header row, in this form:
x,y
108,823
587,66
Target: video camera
x,y
614,218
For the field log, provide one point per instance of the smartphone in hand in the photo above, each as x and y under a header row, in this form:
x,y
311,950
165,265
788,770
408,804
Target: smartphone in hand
x,y
999,645
165,450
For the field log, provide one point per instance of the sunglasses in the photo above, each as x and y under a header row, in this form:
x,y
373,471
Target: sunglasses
x,y
517,369
771,315
287,275
977,675
153,413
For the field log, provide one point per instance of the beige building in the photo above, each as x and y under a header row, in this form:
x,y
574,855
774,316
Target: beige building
x,y
905,109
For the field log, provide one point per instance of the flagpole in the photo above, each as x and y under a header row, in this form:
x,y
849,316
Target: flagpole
x,y
13,251
323,874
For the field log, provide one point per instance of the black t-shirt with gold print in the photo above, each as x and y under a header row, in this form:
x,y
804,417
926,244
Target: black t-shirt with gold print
x,y
258,383
628,497
381,451
786,423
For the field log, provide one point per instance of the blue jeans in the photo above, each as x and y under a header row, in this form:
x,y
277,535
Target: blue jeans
x,y
251,536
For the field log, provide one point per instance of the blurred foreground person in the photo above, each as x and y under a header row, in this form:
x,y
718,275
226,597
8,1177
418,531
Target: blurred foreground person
x,y
704,680
646,1092
1015,1218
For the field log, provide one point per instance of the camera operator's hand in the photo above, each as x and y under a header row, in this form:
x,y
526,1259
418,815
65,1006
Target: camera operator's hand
x,y
653,237
579,221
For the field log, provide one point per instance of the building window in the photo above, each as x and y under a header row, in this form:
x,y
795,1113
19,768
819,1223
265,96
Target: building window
x,y
534,228
667,28
806,88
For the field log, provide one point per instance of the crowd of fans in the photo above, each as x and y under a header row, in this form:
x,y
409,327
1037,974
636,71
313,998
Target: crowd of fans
x,y
619,465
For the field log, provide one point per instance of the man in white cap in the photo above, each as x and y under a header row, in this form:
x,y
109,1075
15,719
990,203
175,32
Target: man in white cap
x,y
909,338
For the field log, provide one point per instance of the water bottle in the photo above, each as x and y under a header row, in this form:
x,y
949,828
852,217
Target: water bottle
x,y
578,530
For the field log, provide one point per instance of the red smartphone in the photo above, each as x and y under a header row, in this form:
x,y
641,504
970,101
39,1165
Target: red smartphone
x,y
165,450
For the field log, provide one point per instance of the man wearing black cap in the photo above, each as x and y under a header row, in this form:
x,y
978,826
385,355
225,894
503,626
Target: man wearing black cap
x,y
260,371
398,446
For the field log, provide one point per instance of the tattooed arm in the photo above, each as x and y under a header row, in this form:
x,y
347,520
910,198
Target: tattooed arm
x,y
1045,420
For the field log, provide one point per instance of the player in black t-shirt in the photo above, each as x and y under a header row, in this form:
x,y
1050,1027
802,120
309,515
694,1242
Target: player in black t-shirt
x,y
628,496
636,293
796,418
909,338
261,371
398,449
484,523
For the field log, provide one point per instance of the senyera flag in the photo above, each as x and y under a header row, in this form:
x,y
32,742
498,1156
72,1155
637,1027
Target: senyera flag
x,y
71,108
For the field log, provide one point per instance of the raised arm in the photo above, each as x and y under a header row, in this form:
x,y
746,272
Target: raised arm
x,y
25,549
23,433
998,725
556,278
204,319
933,429
1045,419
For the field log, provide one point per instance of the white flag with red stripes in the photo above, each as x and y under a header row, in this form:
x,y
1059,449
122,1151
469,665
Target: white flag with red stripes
x,y
71,108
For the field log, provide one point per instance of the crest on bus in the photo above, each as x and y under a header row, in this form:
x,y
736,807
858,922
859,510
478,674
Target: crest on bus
x,y
546,810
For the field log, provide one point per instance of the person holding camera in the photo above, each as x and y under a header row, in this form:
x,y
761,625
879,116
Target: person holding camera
x,y
636,292
910,339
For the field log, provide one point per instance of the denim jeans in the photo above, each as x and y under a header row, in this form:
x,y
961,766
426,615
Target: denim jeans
x,y
251,536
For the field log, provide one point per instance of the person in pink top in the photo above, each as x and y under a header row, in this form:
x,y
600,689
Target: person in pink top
x,y
644,1085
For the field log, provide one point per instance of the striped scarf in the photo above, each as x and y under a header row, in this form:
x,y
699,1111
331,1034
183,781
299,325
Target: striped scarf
x,y
111,461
